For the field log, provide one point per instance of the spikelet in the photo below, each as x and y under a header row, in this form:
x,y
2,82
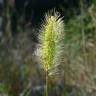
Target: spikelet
x,y
51,37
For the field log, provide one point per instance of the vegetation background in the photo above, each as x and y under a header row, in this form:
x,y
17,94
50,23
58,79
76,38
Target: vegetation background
x,y
20,70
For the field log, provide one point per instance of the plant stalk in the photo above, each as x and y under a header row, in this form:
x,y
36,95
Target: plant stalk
x,y
46,90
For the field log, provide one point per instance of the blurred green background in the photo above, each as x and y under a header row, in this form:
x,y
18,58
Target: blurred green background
x,y
20,70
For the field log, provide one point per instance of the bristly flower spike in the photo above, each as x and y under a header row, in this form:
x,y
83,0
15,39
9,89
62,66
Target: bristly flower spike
x,y
51,37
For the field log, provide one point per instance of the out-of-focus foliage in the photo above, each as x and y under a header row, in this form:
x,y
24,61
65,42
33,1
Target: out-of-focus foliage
x,y
82,66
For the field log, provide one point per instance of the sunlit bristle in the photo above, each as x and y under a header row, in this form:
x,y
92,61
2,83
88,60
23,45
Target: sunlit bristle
x,y
51,34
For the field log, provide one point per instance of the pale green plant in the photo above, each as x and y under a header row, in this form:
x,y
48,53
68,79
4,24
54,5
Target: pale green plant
x,y
51,37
